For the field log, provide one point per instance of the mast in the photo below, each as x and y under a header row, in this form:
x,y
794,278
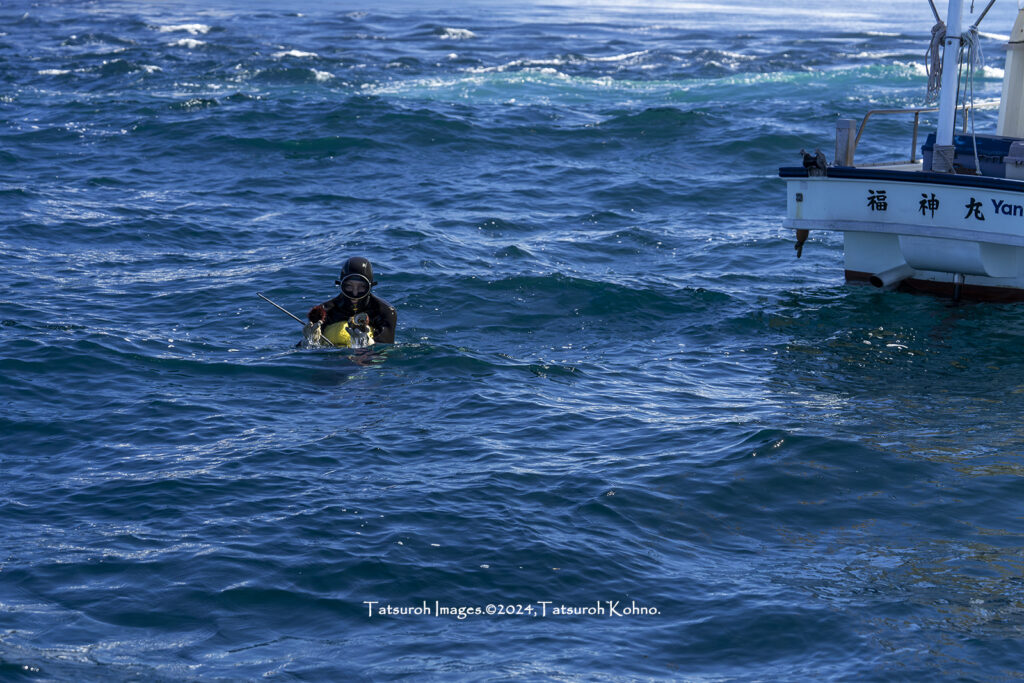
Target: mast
x,y
943,158
1011,112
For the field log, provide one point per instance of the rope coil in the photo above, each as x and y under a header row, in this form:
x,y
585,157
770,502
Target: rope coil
x,y
933,61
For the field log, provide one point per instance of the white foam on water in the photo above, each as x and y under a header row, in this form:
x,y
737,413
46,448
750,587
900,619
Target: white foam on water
x,y
915,68
993,72
298,54
456,34
986,72
548,71
517,63
190,43
322,76
562,61
496,82
738,56
878,55
990,103
53,72
194,29
618,58
150,68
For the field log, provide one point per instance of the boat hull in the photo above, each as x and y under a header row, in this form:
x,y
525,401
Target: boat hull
x,y
931,231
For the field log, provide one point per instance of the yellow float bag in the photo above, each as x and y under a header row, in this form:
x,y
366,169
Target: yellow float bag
x,y
339,335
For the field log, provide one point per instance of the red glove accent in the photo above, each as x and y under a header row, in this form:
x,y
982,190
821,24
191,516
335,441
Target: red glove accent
x,y
317,314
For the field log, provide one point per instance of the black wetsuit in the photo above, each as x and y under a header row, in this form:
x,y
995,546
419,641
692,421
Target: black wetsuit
x,y
383,315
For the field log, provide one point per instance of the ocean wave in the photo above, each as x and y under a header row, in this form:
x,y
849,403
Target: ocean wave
x,y
559,61
653,121
992,73
312,147
524,64
1000,37
190,43
91,38
919,69
298,54
914,68
619,58
539,301
196,103
454,34
292,74
499,84
194,29
531,83
986,103
117,67
879,54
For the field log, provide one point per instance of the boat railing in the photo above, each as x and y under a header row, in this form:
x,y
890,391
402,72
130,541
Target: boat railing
x,y
846,146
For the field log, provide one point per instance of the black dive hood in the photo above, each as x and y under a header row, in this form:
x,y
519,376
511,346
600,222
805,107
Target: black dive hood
x,y
355,271
357,265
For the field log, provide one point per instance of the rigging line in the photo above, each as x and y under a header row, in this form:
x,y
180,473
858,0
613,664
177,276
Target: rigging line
x,y
974,60
935,11
983,13
959,82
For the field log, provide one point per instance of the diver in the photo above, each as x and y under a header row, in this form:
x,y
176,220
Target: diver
x,y
355,318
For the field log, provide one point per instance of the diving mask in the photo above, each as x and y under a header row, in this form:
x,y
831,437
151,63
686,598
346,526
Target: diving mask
x,y
354,286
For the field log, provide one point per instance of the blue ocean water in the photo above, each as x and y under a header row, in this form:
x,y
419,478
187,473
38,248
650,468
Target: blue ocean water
x,y
614,385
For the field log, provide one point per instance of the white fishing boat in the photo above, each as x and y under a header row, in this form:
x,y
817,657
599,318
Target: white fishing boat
x,y
950,222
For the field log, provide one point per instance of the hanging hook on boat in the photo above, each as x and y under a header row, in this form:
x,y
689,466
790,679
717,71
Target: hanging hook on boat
x,y
801,237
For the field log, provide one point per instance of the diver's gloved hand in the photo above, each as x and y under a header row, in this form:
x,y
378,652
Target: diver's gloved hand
x,y
317,314
311,335
359,332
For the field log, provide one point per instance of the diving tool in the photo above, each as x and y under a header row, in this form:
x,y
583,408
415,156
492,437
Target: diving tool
x,y
316,334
